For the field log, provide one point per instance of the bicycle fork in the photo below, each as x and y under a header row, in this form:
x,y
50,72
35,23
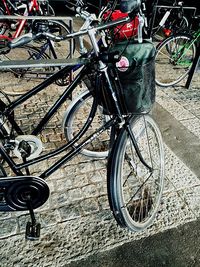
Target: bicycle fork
x,y
133,139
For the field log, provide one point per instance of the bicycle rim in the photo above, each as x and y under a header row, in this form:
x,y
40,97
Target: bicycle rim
x,y
74,120
135,191
174,58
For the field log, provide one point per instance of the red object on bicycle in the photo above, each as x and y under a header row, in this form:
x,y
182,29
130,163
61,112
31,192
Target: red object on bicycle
x,y
167,32
126,31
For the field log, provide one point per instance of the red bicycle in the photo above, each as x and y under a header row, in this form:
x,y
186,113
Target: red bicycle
x,y
25,8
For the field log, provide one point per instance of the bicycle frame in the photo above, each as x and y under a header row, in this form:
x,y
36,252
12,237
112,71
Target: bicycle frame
x,y
66,94
8,10
16,168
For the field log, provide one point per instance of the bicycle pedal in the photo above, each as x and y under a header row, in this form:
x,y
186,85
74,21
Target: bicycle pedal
x,y
32,231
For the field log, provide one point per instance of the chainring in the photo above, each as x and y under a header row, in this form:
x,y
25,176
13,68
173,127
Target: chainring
x,y
15,192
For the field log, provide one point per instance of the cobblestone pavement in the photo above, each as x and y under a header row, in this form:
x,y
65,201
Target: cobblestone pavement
x,y
76,220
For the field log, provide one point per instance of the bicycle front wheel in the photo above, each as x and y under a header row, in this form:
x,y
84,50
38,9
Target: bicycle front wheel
x,y
134,190
174,58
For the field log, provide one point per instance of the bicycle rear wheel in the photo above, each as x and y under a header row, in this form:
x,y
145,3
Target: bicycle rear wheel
x,y
75,118
174,57
134,191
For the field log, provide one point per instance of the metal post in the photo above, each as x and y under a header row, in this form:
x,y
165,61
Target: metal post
x,y
193,68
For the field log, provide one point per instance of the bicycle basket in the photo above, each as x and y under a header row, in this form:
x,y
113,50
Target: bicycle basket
x,y
136,73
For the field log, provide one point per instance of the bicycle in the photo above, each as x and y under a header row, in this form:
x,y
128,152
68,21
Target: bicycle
x,y
167,20
41,48
175,56
25,8
136,148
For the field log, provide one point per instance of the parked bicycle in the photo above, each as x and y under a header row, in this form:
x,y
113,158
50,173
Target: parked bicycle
x,y
175,55
136,158
167,19
39,49
26,8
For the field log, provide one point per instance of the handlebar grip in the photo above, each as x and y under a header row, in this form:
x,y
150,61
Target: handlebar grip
x,y
22,40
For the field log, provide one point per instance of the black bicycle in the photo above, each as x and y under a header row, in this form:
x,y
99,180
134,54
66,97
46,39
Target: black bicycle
x,y
168,19
135,169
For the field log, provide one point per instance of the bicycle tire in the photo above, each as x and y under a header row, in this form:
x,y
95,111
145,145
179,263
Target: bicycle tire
x,y
135,193
174,56
74,120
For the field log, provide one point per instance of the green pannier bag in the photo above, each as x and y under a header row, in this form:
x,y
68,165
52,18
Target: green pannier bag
x,y
136,72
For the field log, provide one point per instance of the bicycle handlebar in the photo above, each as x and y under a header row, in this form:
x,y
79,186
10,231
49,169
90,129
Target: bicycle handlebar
x,y
27,38
21,40
97,28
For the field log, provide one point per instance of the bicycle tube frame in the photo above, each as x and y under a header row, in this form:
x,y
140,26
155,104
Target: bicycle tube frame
x,y
16,168
6,7
38,89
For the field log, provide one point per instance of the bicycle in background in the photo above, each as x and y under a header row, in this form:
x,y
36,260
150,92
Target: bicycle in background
x,y
168,19
23,8
175,55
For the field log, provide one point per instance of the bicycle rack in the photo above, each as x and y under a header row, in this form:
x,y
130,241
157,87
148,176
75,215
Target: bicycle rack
x,y
193,68
42,63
